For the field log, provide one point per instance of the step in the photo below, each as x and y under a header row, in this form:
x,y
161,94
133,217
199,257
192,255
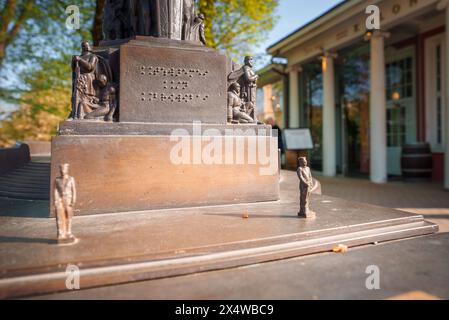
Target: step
x,y
25,196
15,184
7,179
24,189
26,172
52,279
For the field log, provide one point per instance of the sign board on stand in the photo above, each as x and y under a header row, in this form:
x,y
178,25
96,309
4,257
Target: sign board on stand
x,y
297,142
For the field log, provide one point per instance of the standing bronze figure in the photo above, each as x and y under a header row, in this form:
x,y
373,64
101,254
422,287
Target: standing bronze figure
x,y
305,188
83,90
64,201
197,30
248,81
93,93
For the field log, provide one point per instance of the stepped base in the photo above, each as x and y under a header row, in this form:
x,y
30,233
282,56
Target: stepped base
x,y
165,243
29,182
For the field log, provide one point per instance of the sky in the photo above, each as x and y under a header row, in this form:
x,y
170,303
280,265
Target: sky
x,y
292,15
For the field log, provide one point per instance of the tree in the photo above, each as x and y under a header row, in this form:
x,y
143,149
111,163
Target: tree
x,y
26,25
35,54
13,16
41,107
236,26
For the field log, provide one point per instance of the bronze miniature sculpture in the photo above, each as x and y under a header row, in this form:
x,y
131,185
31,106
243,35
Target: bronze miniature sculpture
x,y
305,188
152,80
236,107
64,200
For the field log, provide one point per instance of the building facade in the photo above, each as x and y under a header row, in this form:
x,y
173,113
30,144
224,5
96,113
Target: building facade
x,y
366,93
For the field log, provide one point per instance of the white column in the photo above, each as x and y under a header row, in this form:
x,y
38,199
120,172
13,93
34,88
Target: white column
x,y
378,110
293,111
329,134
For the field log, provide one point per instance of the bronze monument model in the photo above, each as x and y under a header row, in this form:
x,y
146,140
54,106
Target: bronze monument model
x,y
151,77
305,188
64,197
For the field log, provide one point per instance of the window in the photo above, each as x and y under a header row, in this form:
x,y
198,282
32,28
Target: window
x,y
396,126
399,76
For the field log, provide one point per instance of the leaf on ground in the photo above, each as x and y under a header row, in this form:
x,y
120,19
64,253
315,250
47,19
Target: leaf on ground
x,y
341,248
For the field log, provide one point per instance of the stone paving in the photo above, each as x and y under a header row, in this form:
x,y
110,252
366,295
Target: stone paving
x,y
428,199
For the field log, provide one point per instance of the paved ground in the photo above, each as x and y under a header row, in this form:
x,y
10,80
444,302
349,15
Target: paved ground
x,y
408,269
418,265
428,199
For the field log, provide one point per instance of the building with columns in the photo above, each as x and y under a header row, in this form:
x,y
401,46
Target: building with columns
x,y
365,94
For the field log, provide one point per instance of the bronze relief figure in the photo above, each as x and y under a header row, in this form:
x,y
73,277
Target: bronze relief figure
x,y
93,93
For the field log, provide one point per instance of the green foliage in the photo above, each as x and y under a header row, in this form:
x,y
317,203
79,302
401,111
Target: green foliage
x,y
42,105
35,70
236,26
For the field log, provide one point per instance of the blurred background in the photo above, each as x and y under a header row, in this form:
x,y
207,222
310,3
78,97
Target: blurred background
x,y
36,48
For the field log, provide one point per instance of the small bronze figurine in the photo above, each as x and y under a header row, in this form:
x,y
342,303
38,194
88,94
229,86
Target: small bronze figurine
x,y
305,188
64,201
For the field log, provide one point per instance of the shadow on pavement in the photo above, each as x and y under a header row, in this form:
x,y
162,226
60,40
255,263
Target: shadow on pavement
x,y
26,240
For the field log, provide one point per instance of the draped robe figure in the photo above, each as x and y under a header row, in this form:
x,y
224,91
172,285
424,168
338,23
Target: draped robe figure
x,y
171,19
87,70
84,67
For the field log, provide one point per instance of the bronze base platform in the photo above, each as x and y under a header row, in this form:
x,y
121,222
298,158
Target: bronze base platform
x,y
123,167
128,247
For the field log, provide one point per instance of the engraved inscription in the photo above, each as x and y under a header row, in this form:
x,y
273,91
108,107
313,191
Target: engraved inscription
x,y
173,90
172,72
